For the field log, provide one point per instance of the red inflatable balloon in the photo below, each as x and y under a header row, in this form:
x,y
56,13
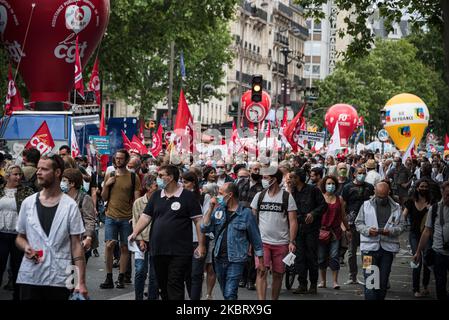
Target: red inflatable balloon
x,y
47,57
347,119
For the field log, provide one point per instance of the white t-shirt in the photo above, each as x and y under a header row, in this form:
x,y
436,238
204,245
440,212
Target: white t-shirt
x,y
273,222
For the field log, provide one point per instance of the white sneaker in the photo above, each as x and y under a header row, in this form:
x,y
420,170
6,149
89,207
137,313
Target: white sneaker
x,y
208,297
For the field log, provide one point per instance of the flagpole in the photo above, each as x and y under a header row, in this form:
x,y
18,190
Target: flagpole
x,y
24,40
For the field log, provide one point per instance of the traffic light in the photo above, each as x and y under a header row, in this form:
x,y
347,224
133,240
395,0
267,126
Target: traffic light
x,y
257,85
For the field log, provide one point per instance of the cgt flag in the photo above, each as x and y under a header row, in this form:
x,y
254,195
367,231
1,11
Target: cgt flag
x,y
94,83
79,85
126,142
74,143
41,140
14,101
156,146
292,131
136,144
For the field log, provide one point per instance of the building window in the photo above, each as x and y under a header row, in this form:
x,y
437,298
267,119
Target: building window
x,y
110,110
307,69
309,24
317,26
316,69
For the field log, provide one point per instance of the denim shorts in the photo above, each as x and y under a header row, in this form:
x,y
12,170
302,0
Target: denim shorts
x,y
116,227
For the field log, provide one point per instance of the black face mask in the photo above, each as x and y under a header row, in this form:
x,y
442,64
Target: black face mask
x,y
424,192
382,201
256,176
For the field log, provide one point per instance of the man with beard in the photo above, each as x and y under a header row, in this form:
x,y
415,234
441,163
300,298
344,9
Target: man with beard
x,y
50,247
120,189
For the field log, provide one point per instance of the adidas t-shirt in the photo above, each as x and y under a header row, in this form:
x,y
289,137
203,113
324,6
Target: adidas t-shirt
x,y
273,222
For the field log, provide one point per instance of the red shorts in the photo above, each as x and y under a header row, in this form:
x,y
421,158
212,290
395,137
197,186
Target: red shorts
x,y
272,257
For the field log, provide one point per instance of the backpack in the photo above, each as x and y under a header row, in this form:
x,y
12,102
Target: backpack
x,y
285,197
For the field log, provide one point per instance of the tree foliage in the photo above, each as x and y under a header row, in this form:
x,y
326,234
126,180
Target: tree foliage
x,y
136,50
368,82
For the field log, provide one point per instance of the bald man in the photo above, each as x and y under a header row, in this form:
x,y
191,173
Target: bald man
x,y
380,223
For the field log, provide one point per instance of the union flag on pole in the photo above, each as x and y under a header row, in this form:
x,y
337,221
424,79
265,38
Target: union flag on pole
x,y
126,142
14,101
41,140
137,144
74,143
292,131
156,147
184,125
79,85
94,83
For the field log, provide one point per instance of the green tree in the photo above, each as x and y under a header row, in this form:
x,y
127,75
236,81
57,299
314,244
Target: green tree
x,y
135,52
432,13
392,67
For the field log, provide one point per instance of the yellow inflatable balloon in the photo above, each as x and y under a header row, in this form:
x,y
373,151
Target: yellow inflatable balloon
x,y
406,117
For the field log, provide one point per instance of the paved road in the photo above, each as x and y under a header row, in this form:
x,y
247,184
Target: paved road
x,y
400,284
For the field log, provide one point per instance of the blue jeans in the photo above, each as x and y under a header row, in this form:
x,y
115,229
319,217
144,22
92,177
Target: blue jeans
x,y
329,255
117,227
383,260
141,266
414,241
228,275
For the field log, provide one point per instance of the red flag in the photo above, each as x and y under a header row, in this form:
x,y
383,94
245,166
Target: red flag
x,y
284,119
126,142
141,127
361,122
303,124
102,123
41,140
156,147
446,145
94,83
269,129
184,123
291,133
14,101
79,85
137,144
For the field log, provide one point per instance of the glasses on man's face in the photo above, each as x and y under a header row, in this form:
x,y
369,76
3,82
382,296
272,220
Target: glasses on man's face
x,y
160,175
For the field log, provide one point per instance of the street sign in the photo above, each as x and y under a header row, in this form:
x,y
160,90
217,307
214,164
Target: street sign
x,y
311,136
255,113
383,135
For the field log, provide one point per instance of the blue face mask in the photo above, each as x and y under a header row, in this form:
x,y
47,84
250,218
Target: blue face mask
x,y
221,200
64,187
330,188
360,177
161,183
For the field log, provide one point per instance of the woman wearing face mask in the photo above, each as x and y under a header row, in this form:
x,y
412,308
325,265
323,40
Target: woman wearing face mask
x,y
71,183
416,210
12,194
332,222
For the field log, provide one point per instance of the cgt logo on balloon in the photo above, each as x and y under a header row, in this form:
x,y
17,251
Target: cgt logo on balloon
x,y
77,18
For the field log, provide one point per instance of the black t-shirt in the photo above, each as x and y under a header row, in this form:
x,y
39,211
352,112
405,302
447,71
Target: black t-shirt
x,y
416,216
171,228
223,253
354,196
46,215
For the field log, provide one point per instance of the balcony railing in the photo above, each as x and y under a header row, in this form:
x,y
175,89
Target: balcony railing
x,y
254,11
280,38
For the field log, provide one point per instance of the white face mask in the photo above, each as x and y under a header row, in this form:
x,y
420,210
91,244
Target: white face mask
x,y
266,183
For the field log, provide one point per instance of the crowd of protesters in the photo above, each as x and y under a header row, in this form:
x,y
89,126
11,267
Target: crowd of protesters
x,y
210,221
